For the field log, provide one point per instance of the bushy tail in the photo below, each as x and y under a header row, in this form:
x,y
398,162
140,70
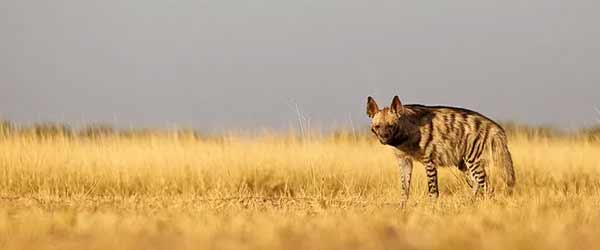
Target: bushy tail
x,y
503,159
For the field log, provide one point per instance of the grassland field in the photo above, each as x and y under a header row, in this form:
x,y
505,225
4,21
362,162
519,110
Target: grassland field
x,y
274,191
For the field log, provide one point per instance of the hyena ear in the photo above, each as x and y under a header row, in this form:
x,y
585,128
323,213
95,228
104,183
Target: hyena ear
x,y
372,108
396,106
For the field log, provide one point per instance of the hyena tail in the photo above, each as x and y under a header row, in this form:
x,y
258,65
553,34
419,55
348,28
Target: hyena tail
x,y
502,158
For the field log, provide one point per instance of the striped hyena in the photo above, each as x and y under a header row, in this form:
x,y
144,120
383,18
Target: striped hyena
x,y
442,136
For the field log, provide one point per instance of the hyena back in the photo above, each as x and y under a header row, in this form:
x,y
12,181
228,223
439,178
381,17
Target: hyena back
x,y
439,136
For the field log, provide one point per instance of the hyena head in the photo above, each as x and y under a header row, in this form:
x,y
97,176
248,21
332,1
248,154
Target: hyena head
x,y
391,125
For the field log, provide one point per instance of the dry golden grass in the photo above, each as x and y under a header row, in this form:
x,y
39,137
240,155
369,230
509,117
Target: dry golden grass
x,y
278,192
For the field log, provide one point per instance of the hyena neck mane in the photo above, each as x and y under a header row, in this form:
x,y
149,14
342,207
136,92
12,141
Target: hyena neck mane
x,y
429,111
420,122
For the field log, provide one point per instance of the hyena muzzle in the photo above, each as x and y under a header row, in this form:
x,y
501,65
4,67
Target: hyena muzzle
x,y
442,136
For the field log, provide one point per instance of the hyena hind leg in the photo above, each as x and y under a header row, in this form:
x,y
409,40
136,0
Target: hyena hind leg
x,y
463,168
478,176
468,179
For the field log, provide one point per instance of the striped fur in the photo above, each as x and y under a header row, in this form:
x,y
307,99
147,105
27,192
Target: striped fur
x,y
438,136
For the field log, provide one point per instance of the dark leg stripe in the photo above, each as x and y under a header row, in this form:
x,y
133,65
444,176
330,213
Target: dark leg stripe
x,y
473,166
431,171
432,178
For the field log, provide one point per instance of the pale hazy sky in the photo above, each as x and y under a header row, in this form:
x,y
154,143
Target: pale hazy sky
x,y
246,64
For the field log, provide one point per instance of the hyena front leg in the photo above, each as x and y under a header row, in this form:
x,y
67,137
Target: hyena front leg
x,y
477,171
432,180
406,167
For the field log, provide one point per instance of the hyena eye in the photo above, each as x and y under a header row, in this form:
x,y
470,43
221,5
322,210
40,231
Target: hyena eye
x,y
376,127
